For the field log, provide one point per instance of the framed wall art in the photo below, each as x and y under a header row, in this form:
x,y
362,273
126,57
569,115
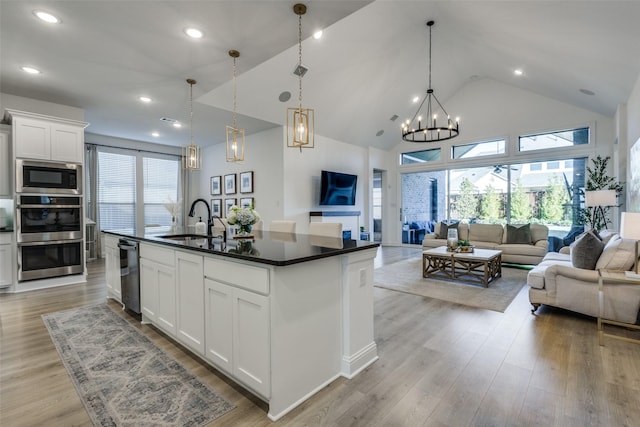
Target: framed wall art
x,y
216,187
230,184
246,182
216,207
227,205
247,202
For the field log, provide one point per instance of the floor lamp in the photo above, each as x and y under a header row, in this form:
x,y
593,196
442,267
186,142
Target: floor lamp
x,y
630,229
598,199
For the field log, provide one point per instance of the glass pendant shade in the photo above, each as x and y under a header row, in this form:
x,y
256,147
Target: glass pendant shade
x,y
192,157
300,128
192,153
235,144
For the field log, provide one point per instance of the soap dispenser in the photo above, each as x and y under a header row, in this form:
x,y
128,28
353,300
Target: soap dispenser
x,y
201,227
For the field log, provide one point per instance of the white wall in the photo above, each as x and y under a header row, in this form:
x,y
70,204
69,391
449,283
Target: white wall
x,y
302,177
20,103
631,118
263,156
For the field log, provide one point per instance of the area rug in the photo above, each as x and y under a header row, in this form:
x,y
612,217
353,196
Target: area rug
x,y
406,276
123,378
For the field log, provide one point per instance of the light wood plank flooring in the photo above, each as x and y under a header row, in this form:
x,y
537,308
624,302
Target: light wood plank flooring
x,y
440,365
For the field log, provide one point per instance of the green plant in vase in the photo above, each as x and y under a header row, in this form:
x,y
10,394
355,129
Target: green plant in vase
x,y
465,246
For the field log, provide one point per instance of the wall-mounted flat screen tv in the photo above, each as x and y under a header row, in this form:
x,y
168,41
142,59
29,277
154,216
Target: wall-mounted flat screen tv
x,y
337,188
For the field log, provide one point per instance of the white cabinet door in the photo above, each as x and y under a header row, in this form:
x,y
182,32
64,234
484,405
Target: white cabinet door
x,y
32,138
112,268
218,304
251,339
148,289
67,143
6,265
190,276
166,307
237,328
5,164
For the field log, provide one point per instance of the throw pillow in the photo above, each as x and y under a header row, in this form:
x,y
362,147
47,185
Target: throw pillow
x,y
586,250
618,254
444,229
519,234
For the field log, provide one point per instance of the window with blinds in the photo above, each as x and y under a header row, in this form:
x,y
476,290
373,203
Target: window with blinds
x,y
117,191
160,189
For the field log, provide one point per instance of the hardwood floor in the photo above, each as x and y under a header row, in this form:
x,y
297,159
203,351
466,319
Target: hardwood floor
x,y
440,364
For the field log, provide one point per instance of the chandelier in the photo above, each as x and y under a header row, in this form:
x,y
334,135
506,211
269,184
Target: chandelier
x,y
300,121
235,136
434,127
191,154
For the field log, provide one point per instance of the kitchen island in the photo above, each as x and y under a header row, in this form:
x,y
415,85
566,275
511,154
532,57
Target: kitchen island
x,y
283,315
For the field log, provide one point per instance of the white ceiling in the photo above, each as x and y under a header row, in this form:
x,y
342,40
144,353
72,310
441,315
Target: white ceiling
x,y
370,63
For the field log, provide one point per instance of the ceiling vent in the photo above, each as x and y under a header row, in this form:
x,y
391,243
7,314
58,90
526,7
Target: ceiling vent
x,y
168,120
300,70
393,118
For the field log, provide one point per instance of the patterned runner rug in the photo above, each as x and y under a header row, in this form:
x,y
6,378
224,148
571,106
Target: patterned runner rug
x,y
123,378
406,276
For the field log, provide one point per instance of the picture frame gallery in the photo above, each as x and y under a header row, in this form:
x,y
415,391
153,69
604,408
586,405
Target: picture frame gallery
x,y
228,185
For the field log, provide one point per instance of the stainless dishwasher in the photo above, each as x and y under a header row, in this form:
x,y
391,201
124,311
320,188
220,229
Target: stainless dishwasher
x,y
130,274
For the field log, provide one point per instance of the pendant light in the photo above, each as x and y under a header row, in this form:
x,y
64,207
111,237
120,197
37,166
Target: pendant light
x,y
300,121
192,153
437,125
235,136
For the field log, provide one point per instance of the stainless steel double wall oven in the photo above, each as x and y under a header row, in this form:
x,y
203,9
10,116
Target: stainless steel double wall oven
x,y
49,219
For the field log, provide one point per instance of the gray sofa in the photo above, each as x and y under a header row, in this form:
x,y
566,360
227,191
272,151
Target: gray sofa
x,y
556,282
494,236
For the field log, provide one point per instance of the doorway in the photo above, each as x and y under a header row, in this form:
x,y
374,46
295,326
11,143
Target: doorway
x,y
377,205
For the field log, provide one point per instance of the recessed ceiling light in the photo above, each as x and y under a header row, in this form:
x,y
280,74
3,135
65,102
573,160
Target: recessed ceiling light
x,y
155,134
47,17
518,72
177,125
194,33
416,99
145,99
587,92
30,70
317,35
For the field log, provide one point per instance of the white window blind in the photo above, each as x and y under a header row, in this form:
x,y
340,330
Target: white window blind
x,y
161,177
117,191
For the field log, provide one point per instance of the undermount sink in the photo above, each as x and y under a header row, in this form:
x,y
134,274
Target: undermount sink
x,y
183,236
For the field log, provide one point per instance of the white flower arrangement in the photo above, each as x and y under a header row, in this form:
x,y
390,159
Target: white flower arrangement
x,y
242,216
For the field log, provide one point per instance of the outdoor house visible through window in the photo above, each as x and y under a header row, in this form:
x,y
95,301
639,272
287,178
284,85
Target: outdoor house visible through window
x,y
422,156
563,138
478,149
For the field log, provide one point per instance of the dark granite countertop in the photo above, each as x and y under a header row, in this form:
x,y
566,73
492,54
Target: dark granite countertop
x,y
265,247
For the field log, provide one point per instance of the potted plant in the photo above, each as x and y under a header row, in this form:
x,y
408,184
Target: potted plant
x,y
598,179
465,246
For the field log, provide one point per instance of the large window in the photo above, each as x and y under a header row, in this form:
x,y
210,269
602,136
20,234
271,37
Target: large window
x,y
545,141
478,149
541,192
423,156
134,187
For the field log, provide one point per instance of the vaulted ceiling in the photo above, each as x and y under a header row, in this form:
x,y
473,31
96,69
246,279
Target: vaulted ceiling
x,y
370,63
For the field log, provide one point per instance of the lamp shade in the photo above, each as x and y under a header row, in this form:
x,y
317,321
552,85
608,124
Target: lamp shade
x,y
630,225
600,198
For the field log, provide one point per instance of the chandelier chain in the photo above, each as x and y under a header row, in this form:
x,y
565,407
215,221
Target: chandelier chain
x,y
300,62
191,110
429,57
235,122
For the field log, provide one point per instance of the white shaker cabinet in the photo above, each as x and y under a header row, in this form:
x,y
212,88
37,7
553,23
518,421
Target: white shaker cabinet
x,y
47,138
158,287
237,323
5,163
190,276
112,268
6,260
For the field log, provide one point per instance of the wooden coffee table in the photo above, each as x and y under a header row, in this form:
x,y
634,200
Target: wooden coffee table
x,y
481,265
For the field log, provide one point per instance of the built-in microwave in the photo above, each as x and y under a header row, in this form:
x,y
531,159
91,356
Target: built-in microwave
x,y
48,177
